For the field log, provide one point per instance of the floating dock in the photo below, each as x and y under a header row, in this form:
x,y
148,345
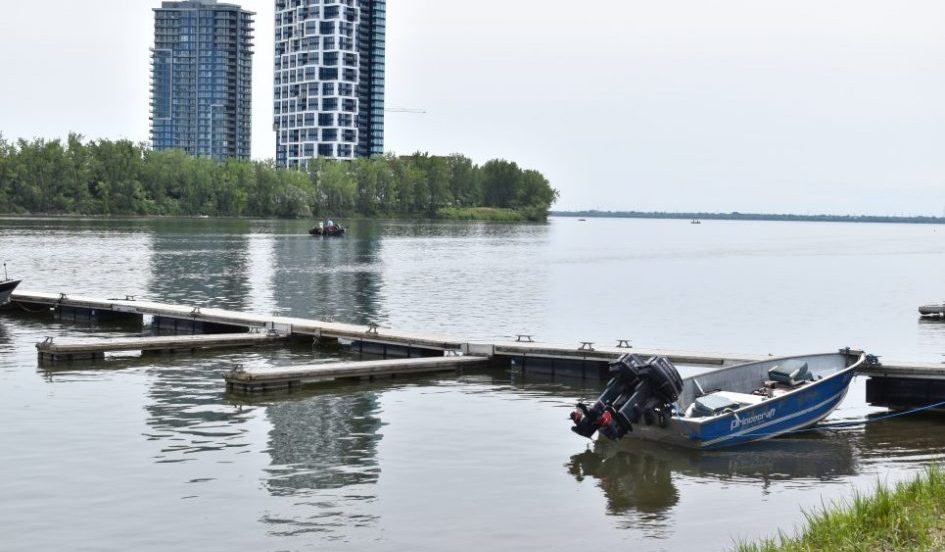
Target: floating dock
x,y
275,379
891,384
95,348
198,319
904,385
583,358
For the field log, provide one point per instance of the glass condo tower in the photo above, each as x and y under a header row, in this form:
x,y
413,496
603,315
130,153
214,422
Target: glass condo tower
x,y
201,79
328,80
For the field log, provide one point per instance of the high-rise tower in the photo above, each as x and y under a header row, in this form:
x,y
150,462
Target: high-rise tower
x,y
328,79
201,79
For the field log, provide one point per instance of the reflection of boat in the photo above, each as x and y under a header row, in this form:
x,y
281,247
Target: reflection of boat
x,y
932,310
725,407
638,475
327,230
6,288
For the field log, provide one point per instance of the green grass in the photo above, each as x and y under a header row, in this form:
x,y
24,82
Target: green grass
x,y
480,213
909,517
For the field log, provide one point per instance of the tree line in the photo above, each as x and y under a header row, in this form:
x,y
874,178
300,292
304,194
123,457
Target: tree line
x,y
105,177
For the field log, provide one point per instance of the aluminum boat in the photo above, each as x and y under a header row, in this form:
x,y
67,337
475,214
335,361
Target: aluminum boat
x,y
647,399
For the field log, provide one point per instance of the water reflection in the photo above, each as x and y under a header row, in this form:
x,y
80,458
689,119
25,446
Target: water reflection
x,y
194,264
6,344
332,279
638,477
187,414
909,439
323,451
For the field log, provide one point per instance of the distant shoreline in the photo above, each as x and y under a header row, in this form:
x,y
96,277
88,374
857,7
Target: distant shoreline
x,y
751,216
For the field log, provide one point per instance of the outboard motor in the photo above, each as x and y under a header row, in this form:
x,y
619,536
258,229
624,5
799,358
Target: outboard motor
x,y
637,390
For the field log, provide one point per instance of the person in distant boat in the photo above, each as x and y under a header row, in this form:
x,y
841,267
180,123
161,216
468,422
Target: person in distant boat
x,y
331,224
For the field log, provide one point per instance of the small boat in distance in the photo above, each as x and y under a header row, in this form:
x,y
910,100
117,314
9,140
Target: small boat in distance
x,y
7,286
327,228
695,221
647,399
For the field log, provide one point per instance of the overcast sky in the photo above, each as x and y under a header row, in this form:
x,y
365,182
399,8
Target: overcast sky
x,y
755,105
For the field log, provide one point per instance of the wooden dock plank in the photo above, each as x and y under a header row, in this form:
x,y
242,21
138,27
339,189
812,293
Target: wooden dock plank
x,y
266,379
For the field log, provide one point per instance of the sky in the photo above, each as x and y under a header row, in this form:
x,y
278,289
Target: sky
x,y
799,106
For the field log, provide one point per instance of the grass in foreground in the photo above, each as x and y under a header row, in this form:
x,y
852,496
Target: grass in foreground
x,y
910,517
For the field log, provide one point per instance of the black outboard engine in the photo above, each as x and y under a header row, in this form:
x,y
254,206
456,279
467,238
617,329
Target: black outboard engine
x,y
637,390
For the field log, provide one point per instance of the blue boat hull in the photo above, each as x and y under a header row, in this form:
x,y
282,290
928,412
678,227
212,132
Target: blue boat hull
x,y
799,409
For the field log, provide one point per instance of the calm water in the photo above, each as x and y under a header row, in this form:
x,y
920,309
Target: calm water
x,y
150,454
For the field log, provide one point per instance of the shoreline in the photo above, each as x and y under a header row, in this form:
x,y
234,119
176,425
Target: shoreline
x,y
909,515
353,216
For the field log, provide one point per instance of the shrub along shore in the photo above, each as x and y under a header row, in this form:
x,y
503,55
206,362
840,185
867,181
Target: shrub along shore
x,y
120,177
908,517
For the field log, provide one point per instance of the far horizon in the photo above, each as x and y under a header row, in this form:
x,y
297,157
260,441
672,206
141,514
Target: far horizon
x,y
739,215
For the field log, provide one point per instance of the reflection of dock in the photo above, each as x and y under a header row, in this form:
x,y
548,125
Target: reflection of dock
x,y
95,348
269,379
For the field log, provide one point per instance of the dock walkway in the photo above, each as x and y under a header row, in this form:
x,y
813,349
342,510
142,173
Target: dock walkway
x,y
894,384
95,348
269,379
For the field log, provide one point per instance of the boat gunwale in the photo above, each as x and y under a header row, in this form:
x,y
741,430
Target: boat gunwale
x,y
697,422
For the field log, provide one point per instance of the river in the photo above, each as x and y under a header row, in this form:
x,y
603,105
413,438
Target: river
x,y
150,454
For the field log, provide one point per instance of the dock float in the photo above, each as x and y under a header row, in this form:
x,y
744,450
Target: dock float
x,y
904,385
892,384
95,348
197,319
255,380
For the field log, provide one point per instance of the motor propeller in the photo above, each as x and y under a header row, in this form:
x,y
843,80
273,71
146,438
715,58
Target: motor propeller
x,y
638,389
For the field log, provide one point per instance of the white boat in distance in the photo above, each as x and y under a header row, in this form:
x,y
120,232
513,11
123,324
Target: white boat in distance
x,y
647,399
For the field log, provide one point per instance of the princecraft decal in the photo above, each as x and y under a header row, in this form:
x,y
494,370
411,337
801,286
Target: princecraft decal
x,y
753,419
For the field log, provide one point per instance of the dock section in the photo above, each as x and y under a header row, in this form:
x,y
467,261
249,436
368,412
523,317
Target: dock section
x,y
279,379
95,348
893,384
904,385
587,359
196,319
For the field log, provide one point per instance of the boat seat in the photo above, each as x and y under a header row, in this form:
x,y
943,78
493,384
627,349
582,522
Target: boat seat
x,y
791,372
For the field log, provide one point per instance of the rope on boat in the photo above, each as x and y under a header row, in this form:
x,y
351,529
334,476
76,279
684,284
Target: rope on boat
x,y
851,423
